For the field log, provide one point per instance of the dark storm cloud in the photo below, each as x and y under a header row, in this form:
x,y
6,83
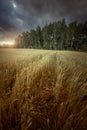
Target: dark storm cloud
x,y
11,22
21,15
6,15
56,8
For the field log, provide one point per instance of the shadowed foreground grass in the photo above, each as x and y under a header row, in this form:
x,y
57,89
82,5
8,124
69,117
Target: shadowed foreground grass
x,y
43,90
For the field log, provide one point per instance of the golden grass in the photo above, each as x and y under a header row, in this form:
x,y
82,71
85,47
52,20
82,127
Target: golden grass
x,y
43,90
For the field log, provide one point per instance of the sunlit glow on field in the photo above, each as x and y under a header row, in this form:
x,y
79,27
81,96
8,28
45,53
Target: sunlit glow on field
x,y
7,42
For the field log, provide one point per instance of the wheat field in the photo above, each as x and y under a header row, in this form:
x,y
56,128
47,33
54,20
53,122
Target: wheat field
x,y
43,90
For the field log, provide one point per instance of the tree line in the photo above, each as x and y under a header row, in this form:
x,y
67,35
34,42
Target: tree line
x,y
55,36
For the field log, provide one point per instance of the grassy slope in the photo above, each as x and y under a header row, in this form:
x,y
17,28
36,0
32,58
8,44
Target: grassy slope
x,y
43,90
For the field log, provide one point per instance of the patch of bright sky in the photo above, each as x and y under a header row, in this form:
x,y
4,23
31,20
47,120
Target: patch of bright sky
x,y
14,4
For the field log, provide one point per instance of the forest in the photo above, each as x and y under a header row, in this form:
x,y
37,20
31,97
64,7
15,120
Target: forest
x,y
55,36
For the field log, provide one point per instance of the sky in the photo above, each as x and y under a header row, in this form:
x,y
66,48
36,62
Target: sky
x,y
17,16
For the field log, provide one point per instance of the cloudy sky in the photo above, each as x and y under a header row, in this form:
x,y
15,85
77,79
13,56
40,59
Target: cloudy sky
x,y
17,16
